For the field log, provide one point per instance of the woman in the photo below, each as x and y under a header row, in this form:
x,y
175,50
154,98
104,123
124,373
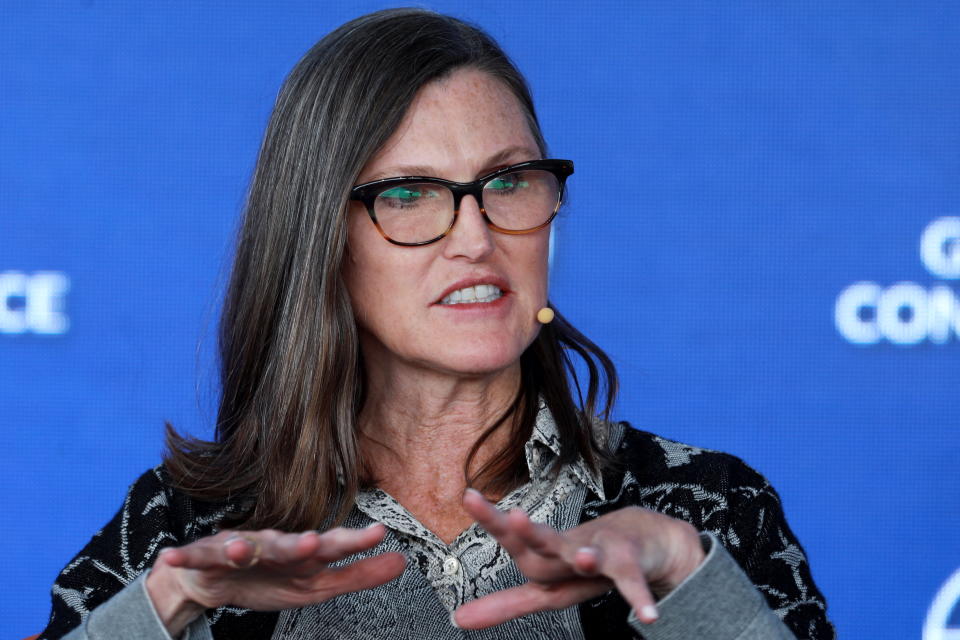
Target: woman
x,y
386,381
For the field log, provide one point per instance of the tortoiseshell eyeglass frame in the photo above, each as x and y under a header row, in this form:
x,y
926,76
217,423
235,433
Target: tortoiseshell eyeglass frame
x,y
368,192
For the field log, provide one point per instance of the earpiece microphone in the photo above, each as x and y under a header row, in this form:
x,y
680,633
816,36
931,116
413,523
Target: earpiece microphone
x,y
545,315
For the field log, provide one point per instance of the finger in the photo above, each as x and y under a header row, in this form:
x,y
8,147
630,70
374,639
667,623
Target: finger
x,y
357,576
290,549
494,521
212,552
341,542
206,553
312,552
541,562
545,540
548,554
243,551
586,561
173,556
620,561
501,606
486,514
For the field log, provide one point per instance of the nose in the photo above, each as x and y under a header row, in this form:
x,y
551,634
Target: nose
x,y
470,237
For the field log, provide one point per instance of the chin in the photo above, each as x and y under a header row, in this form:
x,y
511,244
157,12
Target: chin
x,y
478,360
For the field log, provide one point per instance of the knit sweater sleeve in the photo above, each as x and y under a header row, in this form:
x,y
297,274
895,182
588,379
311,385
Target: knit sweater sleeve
x,y
116,555
719,495
759,538
154,515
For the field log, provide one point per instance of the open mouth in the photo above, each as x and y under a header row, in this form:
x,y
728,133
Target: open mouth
x,y
479,293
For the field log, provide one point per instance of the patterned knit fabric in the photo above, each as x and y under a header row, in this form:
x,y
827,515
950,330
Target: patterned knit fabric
x,y
470,566
715,492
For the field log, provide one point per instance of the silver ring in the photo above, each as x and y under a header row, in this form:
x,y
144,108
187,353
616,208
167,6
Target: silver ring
x,y
257,549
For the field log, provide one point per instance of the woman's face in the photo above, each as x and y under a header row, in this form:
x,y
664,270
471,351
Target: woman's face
x,y
458,128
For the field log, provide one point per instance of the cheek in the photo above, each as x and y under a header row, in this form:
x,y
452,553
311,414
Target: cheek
x,y
535,260
361,273
368,285
381,278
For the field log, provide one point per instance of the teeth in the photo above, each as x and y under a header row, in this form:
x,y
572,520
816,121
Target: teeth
x,y
478,293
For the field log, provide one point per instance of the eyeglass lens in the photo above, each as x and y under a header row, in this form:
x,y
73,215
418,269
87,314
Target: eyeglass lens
x,y
421,211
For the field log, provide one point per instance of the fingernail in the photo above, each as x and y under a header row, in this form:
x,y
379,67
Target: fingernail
x,y
472,492
164,550
453,619
650,612
594,554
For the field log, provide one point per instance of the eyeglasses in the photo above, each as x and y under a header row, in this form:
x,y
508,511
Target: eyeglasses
x,y
411,211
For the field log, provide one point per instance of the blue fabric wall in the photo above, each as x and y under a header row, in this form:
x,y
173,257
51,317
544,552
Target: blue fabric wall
x,y
762,232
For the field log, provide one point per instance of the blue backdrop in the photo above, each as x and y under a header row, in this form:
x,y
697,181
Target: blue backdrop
x,y
763,232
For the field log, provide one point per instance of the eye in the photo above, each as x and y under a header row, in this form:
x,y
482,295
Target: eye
x,y
405,196
400,193
507,184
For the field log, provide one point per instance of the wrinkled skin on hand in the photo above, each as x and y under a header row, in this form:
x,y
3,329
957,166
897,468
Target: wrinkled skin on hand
x,y
265,570
641,553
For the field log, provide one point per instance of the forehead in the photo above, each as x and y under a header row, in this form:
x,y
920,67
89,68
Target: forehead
x,y
453,125
470,94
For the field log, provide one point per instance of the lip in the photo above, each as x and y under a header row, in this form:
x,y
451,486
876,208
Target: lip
x,y
472,281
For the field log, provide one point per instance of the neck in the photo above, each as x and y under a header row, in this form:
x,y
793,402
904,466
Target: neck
x,y
420,425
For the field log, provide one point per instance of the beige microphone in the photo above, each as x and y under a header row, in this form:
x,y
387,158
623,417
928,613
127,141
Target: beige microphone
x,y
545,315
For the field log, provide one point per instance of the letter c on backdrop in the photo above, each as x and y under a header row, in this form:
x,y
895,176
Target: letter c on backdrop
x,y
947,599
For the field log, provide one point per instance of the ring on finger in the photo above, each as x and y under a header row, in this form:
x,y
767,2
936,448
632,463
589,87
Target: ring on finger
x,y
257,549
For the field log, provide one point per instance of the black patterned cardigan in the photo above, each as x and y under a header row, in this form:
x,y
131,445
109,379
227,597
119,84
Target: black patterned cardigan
x,y
715,492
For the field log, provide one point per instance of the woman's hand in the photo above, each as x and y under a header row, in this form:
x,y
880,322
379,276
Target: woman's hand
x,y
265,570
639,552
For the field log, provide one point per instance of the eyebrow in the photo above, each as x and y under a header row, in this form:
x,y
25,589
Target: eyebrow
x,y
424,171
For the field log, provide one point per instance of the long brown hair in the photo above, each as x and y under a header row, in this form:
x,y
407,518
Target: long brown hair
x,y
292,382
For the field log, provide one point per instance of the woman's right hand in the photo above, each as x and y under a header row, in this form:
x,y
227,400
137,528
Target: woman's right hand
x,y
265,570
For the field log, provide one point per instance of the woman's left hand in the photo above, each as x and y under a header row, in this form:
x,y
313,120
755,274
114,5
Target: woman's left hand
x,y
639,552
